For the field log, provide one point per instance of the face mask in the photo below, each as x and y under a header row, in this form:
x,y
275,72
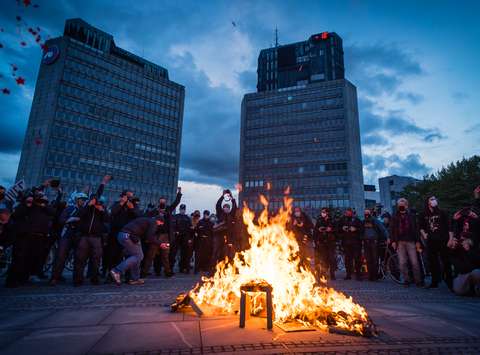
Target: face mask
x,y
298,214
162,206
433,203
401,208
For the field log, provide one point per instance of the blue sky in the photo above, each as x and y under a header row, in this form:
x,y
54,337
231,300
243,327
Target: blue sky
x,y
415,65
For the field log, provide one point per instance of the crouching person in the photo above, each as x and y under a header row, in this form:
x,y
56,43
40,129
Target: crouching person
x,y
465,252
130,237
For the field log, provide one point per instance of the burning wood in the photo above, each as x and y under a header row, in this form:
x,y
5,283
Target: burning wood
x,y
273,259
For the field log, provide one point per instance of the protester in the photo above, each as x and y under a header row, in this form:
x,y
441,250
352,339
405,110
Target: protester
x,y
91,227
434,229
69,236
203,243
351,230
464,245
7,235
144,229
183,242
224,240
373,232
122,212
325,245
169,227
406,241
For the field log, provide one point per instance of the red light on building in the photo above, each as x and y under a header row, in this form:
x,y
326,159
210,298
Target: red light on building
x,y
324,35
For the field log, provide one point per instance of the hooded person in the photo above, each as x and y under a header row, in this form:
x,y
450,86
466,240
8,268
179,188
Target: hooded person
x,y
434,229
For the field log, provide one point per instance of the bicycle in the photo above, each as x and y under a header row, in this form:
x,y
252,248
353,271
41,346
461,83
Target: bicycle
x,y
392,266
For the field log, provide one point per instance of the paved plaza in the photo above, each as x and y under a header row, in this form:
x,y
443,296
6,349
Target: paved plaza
x,y
137,320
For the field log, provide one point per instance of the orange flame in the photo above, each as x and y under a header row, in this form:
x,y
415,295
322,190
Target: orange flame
x,y
273,257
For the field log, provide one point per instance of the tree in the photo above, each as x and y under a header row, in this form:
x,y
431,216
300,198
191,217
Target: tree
x,y
452,185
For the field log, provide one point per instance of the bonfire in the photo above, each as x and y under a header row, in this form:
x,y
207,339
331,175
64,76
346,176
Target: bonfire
x,y
273,258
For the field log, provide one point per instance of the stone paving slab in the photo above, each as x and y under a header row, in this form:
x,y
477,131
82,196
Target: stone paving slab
x,y
53,341
142,315
147,337
72,318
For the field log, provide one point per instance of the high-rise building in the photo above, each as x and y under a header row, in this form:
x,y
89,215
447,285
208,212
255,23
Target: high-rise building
x,y
100,109
301,129
320,58
391,188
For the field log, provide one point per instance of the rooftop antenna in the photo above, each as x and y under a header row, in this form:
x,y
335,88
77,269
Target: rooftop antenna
x,y
276,37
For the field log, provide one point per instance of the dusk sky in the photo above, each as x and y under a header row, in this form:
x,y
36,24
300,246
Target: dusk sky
x,y
414,63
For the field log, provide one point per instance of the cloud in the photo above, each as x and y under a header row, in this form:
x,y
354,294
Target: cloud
x,y
412,97
392,122
211,129
376,166
374,139
222,55
7,178
474,129
460,96
379,68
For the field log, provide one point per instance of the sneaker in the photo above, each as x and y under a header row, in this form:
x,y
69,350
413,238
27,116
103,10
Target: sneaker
x,y
116,277
136,282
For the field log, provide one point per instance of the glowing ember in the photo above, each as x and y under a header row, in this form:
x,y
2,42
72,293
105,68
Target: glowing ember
x,y
273,258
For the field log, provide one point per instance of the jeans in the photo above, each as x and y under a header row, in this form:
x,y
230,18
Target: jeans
x,y
408,252
463,283
134,256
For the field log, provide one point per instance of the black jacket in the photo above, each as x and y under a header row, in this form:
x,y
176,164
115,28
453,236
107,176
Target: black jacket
x,y
301,227
183,225
347,236
120,215
93,221
35,219
145,228
226,222
168,217
320,234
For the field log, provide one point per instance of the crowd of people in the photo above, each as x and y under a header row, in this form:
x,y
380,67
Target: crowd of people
x,y
123,243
